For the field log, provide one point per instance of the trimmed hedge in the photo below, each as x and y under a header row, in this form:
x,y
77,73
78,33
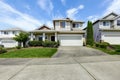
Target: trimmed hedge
x,y
2,50
18,47
43,43
50,44
102,45
117,50
35,43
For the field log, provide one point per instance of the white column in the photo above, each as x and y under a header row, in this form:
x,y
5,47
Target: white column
x,y
55,37
31,37
43,37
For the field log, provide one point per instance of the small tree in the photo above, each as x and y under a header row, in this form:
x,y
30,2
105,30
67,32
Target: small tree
x,y
90,40
23,37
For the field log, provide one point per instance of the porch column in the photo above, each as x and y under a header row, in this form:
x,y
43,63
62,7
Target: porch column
x,y
43,37
31,36
56,37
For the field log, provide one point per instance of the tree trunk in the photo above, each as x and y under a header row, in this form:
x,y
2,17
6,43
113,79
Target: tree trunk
x,y
24,44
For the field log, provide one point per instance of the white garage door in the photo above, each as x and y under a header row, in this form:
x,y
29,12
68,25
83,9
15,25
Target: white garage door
x,y
71,40
9,43
112,39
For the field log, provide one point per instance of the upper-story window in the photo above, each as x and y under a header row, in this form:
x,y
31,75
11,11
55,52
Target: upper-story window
x,y
14,32
76,25
5,32
106,23
62,24
118,22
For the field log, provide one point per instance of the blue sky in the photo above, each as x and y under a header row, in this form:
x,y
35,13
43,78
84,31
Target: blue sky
x,y
31,14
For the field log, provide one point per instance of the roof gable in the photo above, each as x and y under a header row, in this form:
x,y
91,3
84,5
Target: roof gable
x,y
44,27
110,16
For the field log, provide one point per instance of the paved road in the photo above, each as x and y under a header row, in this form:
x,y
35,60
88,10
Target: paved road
x,y
77,52
72,68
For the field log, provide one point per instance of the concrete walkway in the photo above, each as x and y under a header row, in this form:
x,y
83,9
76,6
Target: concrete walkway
x,y
72,68
77,52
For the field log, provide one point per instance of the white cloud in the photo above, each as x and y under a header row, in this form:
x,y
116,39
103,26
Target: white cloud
x,y
63,2
46,5
81,7
13,17
73,11
49,24
93,18
114,6
57,15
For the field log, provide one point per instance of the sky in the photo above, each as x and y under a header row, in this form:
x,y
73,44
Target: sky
x,y
31,14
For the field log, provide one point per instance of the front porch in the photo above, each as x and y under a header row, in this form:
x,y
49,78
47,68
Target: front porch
x,y
42,36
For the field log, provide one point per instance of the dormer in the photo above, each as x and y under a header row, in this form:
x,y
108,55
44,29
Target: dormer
x,y
62,24
67,24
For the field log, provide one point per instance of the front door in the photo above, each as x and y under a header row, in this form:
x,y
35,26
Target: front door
x,y
52,38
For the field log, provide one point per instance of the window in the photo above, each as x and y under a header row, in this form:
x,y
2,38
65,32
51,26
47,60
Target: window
x,y
5,32
46,37
40,38
106,23
118,22
62,24
14,32
76,25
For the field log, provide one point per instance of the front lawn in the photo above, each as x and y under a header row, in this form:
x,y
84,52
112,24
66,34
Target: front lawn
x,y
112,49
29,53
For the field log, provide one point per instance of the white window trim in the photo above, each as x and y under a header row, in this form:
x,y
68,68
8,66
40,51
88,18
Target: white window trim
x,y
65,24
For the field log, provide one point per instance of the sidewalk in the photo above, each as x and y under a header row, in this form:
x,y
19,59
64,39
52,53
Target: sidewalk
x,y
74,68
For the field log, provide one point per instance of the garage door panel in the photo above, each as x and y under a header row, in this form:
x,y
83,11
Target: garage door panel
x,y
112,39
71,40
9,43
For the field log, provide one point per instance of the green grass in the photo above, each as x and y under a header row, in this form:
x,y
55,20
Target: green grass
x,y
115,46
29,53
110,51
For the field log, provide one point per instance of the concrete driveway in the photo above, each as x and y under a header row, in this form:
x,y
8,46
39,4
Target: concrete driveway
x,y
77,52
74,68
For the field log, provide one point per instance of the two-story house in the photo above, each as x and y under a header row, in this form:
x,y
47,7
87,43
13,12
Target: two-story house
x,y
107,29
68,32
6,37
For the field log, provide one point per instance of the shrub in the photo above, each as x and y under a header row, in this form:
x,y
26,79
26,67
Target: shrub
x,y
50,44
102,45
2,50
1,45
117,50
18,47
35,43
97,44
89,38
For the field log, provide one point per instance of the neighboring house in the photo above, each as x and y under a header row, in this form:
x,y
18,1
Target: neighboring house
x,y
6,37
68,32
107,29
